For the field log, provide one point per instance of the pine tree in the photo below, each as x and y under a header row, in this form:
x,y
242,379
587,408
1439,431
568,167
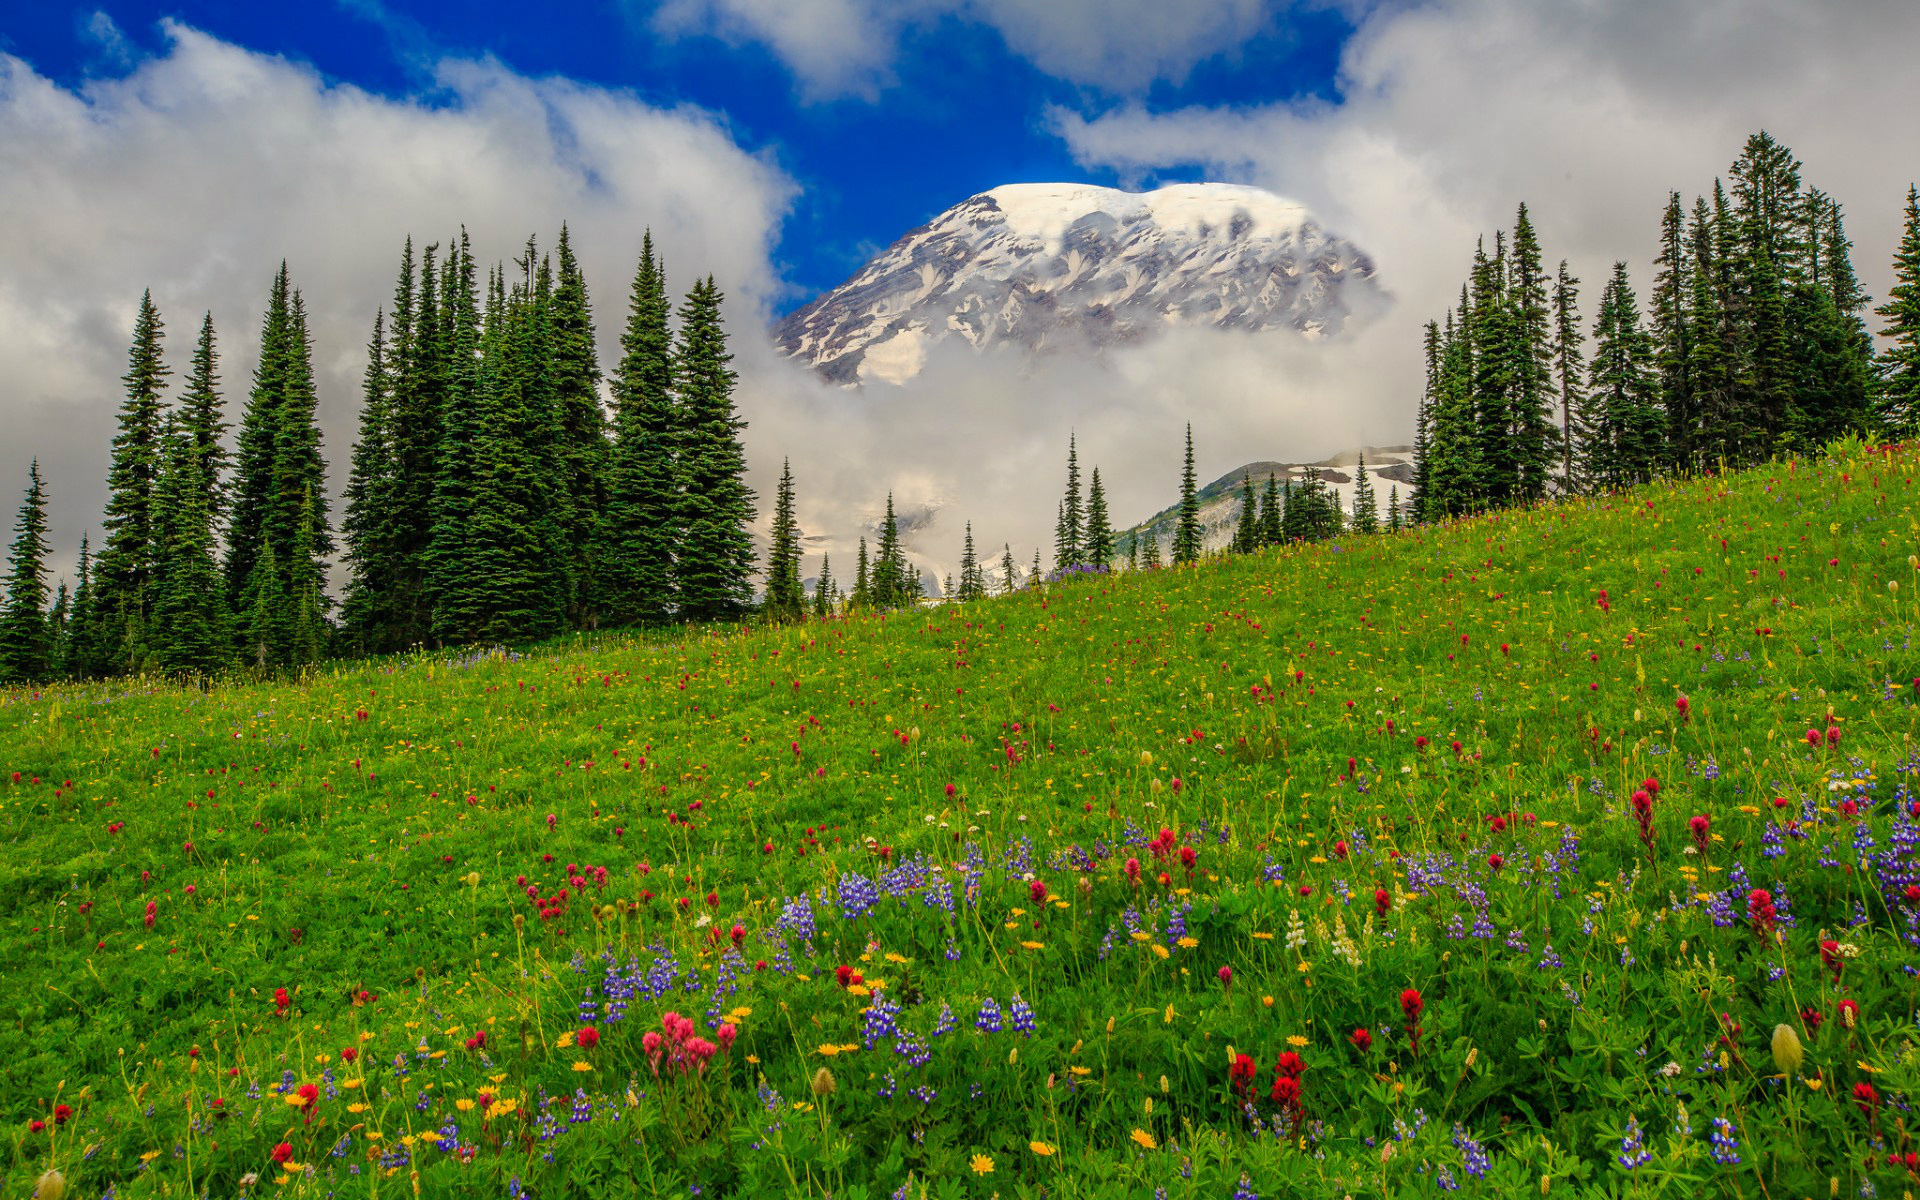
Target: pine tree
x,y
973,583
887,584
123,575
1133,549
190,630
1493,382
453,576
1186,537
1672,339
1009,573
1624,447
1068,546
1246,534
83,654
1898,405
200,418
862,579
1422,423
1394,516
1712,367
1270,513
57,629
823,589
306,602
417,372
1150,550
786,597
581,448
716,506
1568,372
1530,418
1366,510
263,618
635,572
1034,578
1099,538
368,610
26,643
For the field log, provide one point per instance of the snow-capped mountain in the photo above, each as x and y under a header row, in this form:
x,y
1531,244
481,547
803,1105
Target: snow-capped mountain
x,y
1049,266
1387,466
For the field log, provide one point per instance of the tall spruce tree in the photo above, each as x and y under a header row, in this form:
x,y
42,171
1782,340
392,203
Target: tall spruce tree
x,y
1009,573
786,597
201,420
191,633
367,611
635,572
1270,513
1530,419
886,582
1623,448
1394,516
1897,408
716,506
862,579
1099,537
452,583
1150,550
1186,536
83,655
1672,340
1366,509
1246,533
1069,548
1569,363
26,640
123,575
417,367
973,582
823,589
581,450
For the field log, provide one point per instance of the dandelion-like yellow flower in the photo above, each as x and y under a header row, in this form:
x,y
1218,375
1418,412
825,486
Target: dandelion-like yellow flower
x,y
1033,945
1296,1041
981,1164
1144,1140
1042,1149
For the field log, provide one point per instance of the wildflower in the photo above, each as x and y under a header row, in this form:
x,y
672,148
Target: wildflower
x,y
1226,978
1849,1013
1633,1151
588,1038
52,1186
1043,1149
1144,1140
823,1084
1726,1149
1787,1051
1362,1040
1866,1098
282,1152
1700,826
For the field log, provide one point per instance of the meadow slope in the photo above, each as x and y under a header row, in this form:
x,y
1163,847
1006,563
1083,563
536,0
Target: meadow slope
x,y
1499,850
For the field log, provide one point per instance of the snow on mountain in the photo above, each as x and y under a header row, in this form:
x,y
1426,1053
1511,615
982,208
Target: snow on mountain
x,y
1049,266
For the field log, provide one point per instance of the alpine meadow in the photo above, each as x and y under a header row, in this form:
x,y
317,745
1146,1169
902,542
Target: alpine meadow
x,y
606,713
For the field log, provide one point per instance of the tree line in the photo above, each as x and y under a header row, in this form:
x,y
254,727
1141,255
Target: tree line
x,y
490,497
1753,342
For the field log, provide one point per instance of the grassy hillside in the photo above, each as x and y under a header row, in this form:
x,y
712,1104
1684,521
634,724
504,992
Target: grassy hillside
x,y
990,898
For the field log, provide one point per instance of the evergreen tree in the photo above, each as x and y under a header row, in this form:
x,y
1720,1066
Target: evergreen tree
x,y
973,581
1068,546
369,526
1246,534
1186,537
26,642
123,575
1422,427
417,368
190,628
200,418
1034,578
823,589
263,618
306,621
862,579
1009,573
452,581
1453,486
1530,419
887,583
57,618
1133,550
1711,369
1624,446
716,509
1493,382
1099,539
581,448
1898,407
1394,516
635,572
1270,513
1366,510
1832,385
83,654
1672,340
1150,550
1568,370
786,597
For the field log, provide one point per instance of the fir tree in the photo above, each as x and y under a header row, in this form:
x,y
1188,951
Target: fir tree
x,y
83,653
1366,510
263,615
26,642
786,597
452,579
1711,368
57,618
1672,340
373,561
1186,537
417,370
1133,550
1530,418
635,572
190,627
1624,446
1150,550
716,506
200,419
306,603
887,583
1568,371
1034,578
1009,573
823,589
1099,539
862,579
1246,534
1068,546
1394,515
1270,513
1898,406
973,584
581,450
124,573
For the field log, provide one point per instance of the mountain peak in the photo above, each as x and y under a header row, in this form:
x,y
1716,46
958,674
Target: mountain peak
x,y
1057,266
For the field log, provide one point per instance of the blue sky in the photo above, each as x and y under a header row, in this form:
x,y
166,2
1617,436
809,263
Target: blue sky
x,y
959,113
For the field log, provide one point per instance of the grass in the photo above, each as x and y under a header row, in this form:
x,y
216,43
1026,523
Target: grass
x,y
1083,849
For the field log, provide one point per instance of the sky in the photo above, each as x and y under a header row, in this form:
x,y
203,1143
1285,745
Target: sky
x,y
188,148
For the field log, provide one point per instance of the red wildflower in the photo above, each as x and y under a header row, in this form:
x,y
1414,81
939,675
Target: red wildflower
x,y
282,1152
1361,1039
588,1038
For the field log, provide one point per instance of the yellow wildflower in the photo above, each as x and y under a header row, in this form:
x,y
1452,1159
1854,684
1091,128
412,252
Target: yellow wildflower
x,y
1144,1140
981,1164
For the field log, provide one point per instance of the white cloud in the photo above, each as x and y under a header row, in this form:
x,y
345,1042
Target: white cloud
x,y
840,47
1456,110
195,173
